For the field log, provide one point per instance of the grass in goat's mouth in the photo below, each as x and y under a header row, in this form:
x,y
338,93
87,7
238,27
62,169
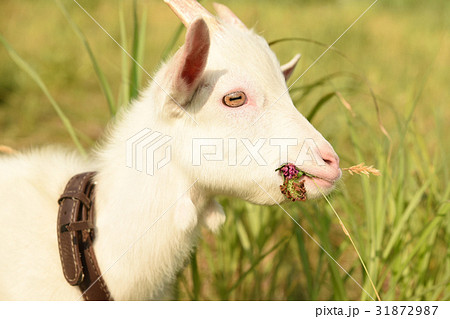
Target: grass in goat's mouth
x,y
293,187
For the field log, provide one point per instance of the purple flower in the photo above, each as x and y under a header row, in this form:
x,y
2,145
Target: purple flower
x,y
293,187
289,171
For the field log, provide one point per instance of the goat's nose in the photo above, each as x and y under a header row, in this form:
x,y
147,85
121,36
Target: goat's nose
x,y
331,159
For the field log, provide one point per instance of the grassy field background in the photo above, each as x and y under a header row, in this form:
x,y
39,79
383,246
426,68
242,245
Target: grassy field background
x,y
398,53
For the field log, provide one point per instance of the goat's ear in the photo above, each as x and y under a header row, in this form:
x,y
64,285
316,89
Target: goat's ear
x,y
289,67
190,62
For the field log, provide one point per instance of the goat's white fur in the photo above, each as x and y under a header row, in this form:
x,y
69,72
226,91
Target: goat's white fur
x,y
146,226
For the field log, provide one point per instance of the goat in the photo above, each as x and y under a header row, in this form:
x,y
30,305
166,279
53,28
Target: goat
x,y
224,83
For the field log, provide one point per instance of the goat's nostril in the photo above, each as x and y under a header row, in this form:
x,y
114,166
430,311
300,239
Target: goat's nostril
x,y
331,159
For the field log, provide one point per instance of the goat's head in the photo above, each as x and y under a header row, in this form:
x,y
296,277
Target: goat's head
x,y
239,111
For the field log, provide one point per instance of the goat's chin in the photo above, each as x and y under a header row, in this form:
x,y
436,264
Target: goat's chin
x,y
313,192
273,200
316,187
268,192
263,192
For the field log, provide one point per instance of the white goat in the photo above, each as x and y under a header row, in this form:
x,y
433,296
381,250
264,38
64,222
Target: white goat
x,y
146,226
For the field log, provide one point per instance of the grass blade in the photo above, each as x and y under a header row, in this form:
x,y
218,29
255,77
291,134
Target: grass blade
x,y
304,259
195,277
137,51
101,76
405,217
351,240
256,262
141,45
37,79
172,42
271,43
124,92
319,105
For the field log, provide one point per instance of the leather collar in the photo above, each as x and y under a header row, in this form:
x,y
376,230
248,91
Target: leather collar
x,y
76,235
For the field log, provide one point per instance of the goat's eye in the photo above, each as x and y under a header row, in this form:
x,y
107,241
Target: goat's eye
x,y
235,99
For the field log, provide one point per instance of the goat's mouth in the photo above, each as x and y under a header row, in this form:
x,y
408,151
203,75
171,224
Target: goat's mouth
x,y
322,184
299,185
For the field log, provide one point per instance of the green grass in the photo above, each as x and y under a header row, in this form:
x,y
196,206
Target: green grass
x,y
391,68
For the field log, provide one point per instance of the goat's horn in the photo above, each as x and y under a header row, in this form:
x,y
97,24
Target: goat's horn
x,y
227,15
188,10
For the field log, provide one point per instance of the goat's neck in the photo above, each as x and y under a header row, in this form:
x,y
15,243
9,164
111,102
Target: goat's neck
x,y
146,226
